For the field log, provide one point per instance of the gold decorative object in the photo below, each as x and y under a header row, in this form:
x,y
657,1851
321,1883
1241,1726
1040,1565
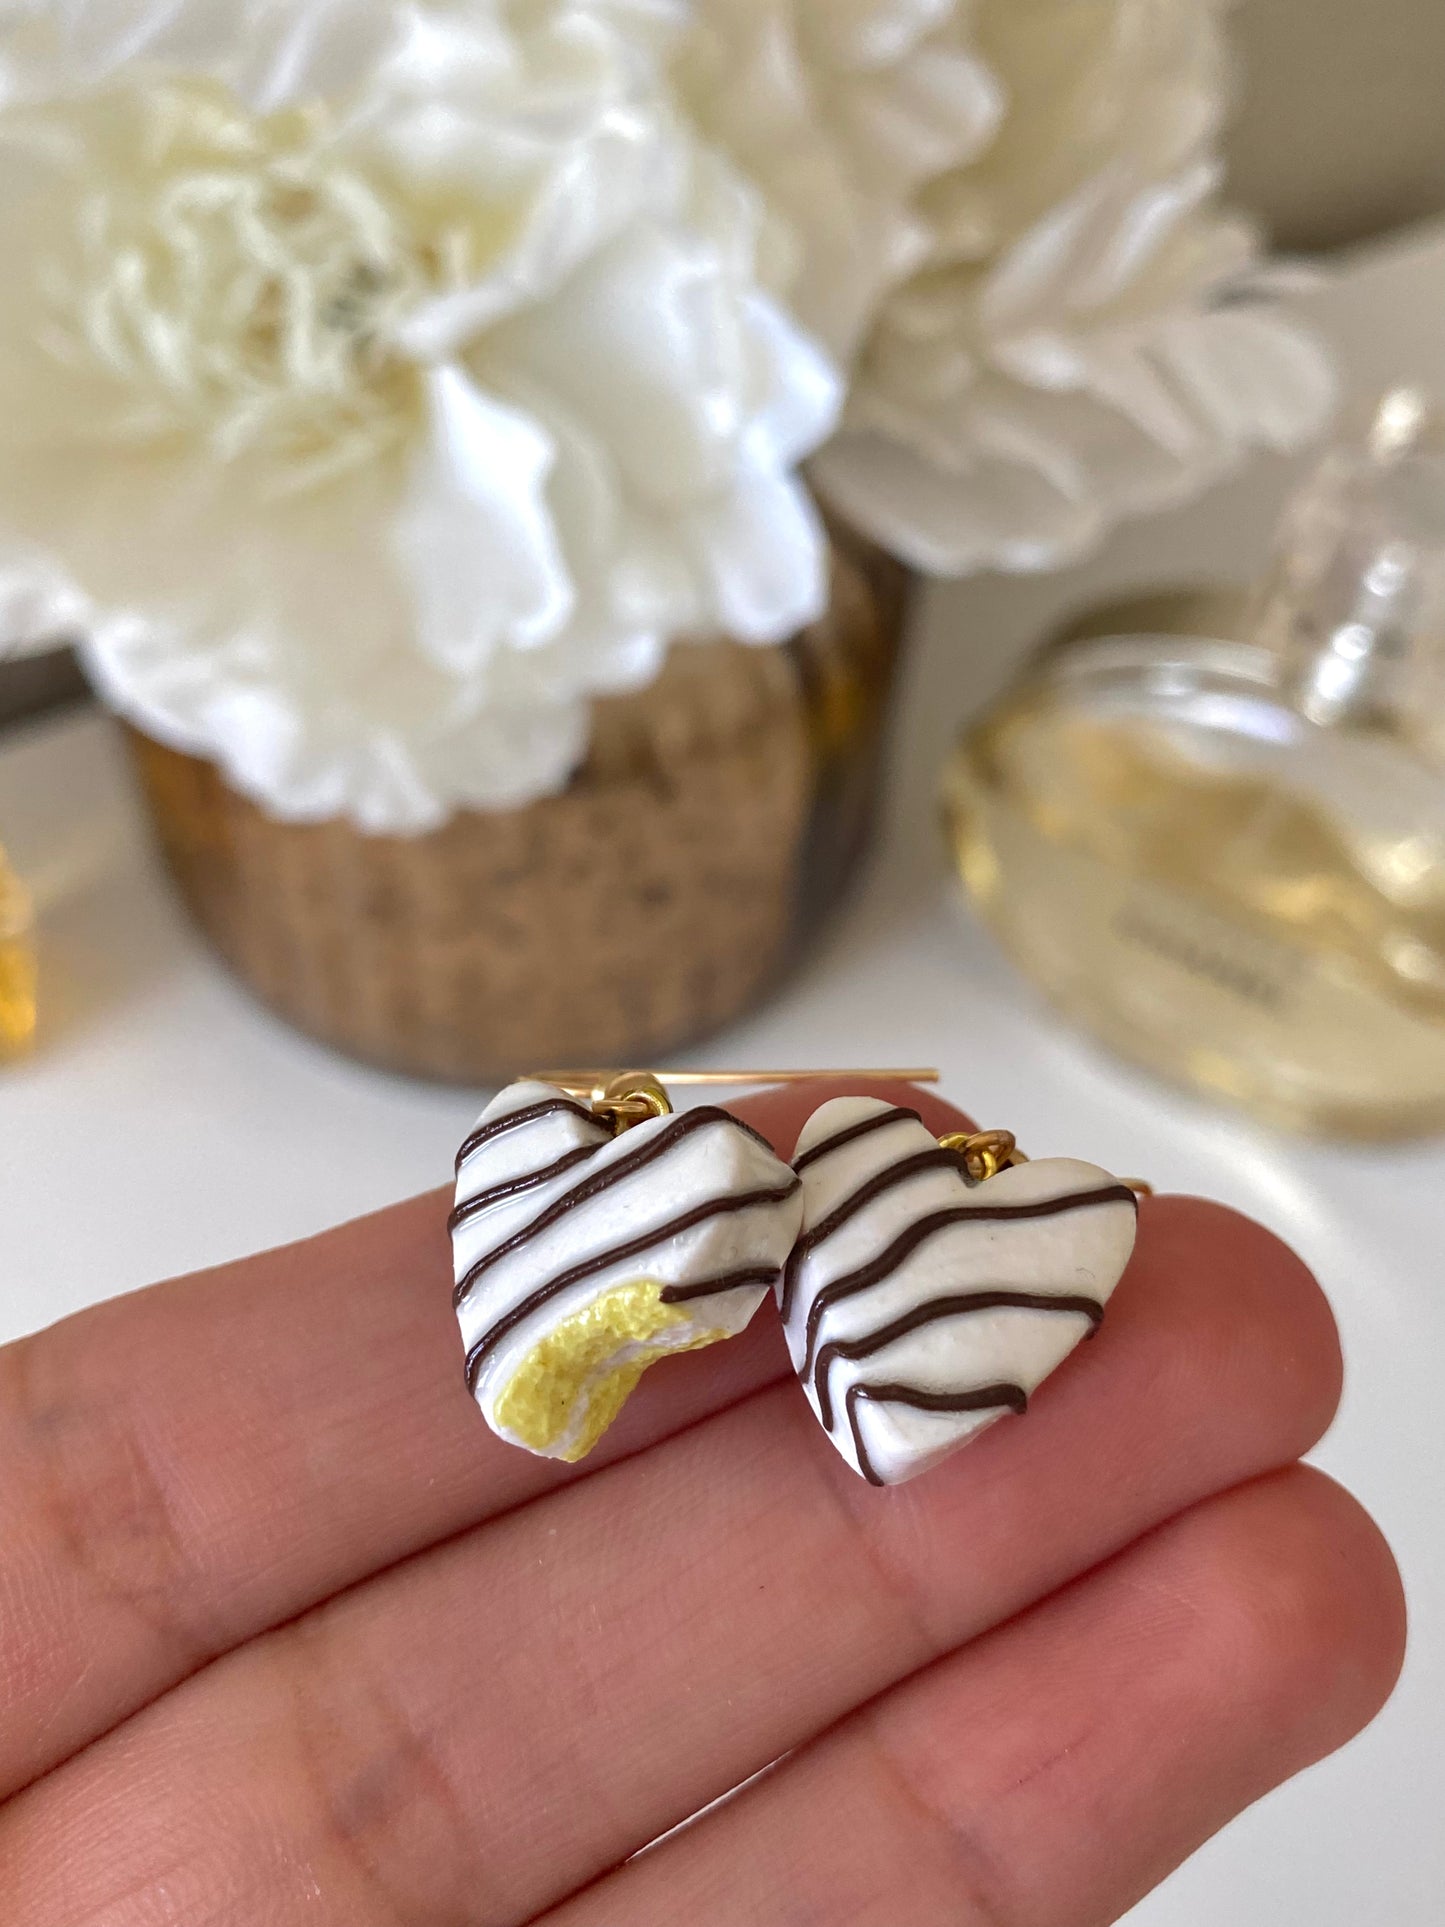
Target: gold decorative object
x,y
713,821
17,963
984,1153
626,1098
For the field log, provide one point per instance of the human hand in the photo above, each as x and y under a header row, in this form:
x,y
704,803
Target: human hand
x,y
287,1636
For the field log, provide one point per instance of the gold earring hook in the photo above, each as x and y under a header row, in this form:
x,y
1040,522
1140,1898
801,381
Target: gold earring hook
x,y
984,1153
632,1097
582,1082
625,1098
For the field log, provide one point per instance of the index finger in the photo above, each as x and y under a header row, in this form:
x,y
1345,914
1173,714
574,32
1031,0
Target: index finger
x,y
195,1463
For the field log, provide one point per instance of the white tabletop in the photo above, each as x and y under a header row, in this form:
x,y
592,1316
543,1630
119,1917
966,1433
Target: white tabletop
x,y
205,1129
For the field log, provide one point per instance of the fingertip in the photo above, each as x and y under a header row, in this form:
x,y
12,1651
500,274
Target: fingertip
x,y
1281,1312
1364,1609
1306,1601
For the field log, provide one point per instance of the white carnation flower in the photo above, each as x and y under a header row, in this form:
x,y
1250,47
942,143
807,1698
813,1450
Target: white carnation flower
x,y
841,111
1087,335
378,381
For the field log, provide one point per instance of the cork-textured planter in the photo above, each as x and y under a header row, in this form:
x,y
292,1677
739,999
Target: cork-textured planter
x,y
715,819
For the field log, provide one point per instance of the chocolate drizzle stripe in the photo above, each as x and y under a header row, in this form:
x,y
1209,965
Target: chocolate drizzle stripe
x,y
852,1349
933,1159
513,1187
657,1145
529,1114
847,1136
908,1241
765,1276
619,1254
985,1399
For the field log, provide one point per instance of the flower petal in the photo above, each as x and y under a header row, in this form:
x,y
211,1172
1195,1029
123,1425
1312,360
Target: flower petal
x,y
801,387
1253,375
950,521
763,557
646,346
475,535
841,111
581,203
271,53
39,605
534,141
863,34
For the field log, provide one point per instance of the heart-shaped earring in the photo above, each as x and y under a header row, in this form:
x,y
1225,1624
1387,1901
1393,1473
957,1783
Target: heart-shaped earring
x,y
937,1283
596,1232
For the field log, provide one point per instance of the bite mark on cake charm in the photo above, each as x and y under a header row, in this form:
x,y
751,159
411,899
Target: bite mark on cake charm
x,y
582,1257
920,1306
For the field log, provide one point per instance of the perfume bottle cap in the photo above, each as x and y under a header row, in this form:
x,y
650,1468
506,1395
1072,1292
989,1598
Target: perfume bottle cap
x,y
1353,605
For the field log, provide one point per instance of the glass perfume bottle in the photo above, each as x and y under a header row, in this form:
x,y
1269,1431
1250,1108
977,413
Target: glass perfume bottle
x,y
1214,830
17,963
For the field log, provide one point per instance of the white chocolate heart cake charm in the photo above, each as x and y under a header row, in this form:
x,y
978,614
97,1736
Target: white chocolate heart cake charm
x,y
920,1305
583,1256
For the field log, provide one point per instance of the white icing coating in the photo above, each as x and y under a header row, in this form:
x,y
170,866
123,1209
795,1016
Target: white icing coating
x,y
608,1195
998,1353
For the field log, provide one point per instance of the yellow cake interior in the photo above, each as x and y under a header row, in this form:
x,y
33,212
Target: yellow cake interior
x,y
569,1387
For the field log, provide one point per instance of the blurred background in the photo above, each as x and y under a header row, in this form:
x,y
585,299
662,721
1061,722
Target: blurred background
x,y
1338,135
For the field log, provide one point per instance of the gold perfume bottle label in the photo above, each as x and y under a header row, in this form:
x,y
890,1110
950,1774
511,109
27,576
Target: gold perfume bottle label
x,y
1207,947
